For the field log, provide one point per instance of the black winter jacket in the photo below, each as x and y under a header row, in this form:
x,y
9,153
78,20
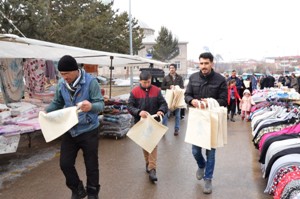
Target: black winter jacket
x,y
211,86
168,81
150,100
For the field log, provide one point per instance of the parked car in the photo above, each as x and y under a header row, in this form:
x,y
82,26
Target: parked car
x,y
157,75
102,80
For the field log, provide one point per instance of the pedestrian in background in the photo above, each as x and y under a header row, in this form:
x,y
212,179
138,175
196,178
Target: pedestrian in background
x,y
294,82
169,82
239,86
144,100
74,87
232,98
205,84
246,104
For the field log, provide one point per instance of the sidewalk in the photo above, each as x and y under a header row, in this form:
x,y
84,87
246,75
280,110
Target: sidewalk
x,y
122,171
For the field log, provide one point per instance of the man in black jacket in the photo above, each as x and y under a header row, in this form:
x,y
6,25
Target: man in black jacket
x,y
205,84
169,82
147,99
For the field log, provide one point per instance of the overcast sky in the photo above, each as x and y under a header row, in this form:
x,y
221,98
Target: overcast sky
x,y
235,29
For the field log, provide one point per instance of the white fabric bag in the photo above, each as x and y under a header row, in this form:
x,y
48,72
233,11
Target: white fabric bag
x,y
147,132
198,131
169,97
175,98
56,123
218,123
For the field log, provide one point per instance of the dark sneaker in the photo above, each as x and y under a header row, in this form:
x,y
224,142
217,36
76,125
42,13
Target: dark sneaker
x,y
79,192
176,132
232,120
200,173
207,187
152,175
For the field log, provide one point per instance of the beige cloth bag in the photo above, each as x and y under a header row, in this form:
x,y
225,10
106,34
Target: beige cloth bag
x,y
207,128
198,131
175,98
56,123
218,123
147,132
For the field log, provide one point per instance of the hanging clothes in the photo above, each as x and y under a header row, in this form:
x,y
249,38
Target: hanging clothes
x,y
50,70
34,73
11,78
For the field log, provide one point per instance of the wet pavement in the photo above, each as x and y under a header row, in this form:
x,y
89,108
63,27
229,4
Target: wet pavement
x,y
122,170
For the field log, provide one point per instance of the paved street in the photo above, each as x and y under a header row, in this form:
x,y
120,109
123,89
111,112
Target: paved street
x,y
122,173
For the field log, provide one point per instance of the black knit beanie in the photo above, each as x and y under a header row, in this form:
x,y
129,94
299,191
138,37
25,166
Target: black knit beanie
x,y
67,63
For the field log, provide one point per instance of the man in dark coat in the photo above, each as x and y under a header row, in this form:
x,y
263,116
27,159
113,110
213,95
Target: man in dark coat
x,y
202,85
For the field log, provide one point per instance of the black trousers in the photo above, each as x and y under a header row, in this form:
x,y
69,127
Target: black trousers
x,y
232,107
88,143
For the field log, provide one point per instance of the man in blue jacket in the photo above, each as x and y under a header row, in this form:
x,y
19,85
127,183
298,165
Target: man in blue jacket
x,y
74,87
205,84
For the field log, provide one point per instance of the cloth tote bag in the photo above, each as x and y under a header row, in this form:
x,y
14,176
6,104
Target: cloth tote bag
x,y
169,97
215,117
198,131
178,99
222,120
147,132
218,123
56,123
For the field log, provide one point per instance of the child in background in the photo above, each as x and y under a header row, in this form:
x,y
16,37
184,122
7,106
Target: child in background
x,y
233,96
245,104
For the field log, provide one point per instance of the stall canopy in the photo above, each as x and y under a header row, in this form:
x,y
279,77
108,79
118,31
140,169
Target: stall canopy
x,y
12,46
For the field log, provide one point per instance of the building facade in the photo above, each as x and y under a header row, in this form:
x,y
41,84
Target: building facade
x,y
149,42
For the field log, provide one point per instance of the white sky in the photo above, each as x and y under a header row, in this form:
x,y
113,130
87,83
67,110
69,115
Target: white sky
x,y
235,29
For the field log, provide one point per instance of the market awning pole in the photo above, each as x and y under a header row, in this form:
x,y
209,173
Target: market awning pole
x,y
111,69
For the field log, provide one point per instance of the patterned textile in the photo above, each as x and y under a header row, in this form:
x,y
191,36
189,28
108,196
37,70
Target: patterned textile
x,y
290,188
11,78
280,174
271,129
34,73
294,175
295,194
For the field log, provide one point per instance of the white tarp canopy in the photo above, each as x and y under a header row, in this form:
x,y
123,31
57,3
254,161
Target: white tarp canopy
x,y
12,46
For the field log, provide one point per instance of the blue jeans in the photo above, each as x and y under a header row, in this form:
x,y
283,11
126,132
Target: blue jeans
x,y
209,164
177,118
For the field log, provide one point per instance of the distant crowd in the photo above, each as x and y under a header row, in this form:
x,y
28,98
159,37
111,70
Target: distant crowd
x,y
240,90
254,82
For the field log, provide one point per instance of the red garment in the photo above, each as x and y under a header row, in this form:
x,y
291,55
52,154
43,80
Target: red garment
x,y
236,94
295,175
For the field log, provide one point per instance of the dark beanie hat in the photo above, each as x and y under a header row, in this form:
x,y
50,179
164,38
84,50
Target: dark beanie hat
x,y
67,63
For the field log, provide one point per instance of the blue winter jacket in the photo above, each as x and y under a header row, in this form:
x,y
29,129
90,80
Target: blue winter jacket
x,y
88,89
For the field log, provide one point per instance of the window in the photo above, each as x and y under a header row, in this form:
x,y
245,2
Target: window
x,y
177,64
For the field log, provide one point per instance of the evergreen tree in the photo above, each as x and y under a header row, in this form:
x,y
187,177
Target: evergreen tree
x,y
166,47
87,24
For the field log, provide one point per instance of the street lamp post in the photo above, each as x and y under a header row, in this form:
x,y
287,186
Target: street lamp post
x,y
130,37
130,44
130,29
